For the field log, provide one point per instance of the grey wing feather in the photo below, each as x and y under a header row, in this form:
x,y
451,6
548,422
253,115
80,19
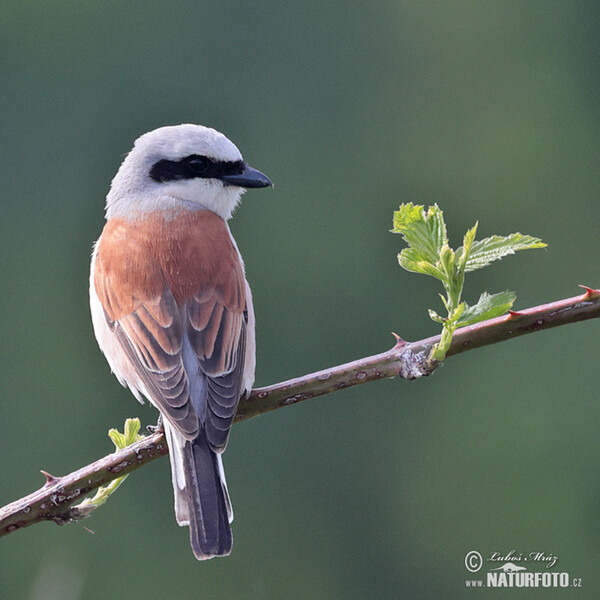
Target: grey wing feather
x,y
218,337
223,395
151,337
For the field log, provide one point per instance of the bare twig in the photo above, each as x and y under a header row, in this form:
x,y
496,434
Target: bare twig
x,y
403,359
53,501
408,360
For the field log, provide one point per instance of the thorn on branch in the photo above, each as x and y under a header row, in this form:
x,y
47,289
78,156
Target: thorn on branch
x,y
514,314
590,293
50,479
399,341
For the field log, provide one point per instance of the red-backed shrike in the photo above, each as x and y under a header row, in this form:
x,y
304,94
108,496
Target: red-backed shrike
x,y
172,310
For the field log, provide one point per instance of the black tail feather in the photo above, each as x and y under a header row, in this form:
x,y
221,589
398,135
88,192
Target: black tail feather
x,y
210,533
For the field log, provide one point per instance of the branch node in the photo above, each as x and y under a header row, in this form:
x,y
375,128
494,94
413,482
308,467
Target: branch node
x,y
414,365
291,400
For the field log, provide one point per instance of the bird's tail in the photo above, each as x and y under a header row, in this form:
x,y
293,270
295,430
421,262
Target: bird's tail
x,y
201,498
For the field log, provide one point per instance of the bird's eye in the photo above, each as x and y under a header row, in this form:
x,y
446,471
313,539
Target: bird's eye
x,y
199,164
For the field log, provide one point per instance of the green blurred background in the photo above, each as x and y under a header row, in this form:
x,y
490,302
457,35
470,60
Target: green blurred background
x,y
491,109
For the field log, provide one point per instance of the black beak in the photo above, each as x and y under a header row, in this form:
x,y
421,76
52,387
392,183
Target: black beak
x,y
248,178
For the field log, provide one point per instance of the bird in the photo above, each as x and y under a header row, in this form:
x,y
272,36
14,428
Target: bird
x,y
172,311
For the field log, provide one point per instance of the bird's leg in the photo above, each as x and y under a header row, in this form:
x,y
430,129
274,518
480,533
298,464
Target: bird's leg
x,y
159,427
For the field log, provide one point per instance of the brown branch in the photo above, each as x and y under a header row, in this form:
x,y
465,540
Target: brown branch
x,y
53,501
408,360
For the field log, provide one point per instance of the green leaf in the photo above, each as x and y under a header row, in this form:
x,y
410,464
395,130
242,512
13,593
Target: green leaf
x,y
496,247
487,307
447,260
435,317
463,253
412,260
445,302
425,232
457,312
129,436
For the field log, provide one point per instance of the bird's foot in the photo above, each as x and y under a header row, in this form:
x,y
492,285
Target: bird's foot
x,y
158,428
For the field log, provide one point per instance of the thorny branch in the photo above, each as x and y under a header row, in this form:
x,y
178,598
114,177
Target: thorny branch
x,y
409,360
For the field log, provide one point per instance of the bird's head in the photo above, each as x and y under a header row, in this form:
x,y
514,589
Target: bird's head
x,y
181,166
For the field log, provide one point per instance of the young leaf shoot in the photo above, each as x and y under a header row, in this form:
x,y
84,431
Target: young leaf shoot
x,y
429,253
